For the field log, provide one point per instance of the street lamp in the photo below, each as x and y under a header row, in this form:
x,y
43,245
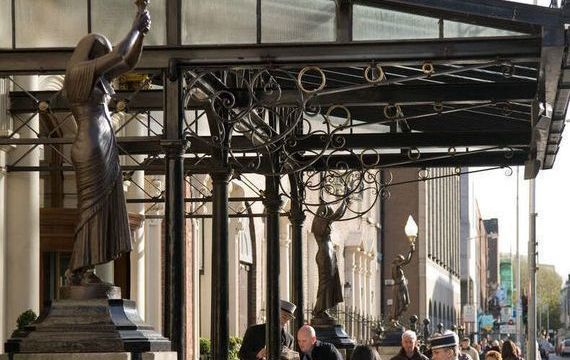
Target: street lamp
x,y
411,230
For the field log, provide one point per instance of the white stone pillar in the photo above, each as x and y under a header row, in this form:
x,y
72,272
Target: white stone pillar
x,y
3,151
135,128
153,258
368,285
349,267
284,258
4,131
356,287
312,271
22,265
235,226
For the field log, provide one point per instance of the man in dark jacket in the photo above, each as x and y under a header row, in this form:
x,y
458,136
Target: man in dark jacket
x,y
313,349
409,350
253,344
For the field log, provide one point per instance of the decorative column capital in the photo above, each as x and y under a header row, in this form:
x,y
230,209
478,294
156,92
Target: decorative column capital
x,y
272,203
174,147
224,175
297,216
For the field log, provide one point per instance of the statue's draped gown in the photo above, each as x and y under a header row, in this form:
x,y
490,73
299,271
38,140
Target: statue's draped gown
x,y
329,292
102,233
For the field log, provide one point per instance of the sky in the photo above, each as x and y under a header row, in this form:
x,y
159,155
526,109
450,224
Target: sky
x,y
496,196
495,193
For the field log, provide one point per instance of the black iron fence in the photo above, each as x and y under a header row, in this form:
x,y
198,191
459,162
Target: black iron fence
x,y
362,328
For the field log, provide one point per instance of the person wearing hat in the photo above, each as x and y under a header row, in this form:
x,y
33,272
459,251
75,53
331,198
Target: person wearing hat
x,y
445,346
409,350
253,344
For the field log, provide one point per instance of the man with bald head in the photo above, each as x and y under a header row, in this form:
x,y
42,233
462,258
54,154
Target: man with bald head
x,y
409,350
313,349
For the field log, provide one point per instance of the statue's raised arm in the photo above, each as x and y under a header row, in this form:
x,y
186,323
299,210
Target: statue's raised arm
x,y
102,233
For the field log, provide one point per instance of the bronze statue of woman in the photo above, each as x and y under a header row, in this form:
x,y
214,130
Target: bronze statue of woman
x,y
329,292
401,294
102,233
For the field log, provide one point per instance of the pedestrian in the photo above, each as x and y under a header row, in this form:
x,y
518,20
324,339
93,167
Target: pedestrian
x,y
493,355
253,344
510,351
467,349
409,349
445,346
313,349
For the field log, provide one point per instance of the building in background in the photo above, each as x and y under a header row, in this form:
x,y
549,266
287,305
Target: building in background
x,y
433,274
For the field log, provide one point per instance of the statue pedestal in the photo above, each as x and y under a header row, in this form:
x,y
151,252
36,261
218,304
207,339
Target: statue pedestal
x,y
332,333
388,352
392,337
87,326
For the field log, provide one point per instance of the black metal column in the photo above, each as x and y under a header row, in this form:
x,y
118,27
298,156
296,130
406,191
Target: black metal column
x,y
272,204
174,296
297,218
220,264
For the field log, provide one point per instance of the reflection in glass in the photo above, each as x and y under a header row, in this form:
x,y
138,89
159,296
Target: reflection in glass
x,y
219,22
114,19
5,24
297,20
380,24
454,29
50,23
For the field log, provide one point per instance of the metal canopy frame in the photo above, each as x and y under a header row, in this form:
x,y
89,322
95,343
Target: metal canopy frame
x,y
488,101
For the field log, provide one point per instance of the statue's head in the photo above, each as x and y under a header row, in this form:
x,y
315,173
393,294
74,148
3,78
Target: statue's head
x,y
91,47
101,46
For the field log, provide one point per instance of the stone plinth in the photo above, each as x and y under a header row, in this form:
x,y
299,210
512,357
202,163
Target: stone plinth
x,y
88,326
387,352
163,355
333,334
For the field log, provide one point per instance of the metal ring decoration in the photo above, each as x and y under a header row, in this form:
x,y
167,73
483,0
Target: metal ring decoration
x,y
414,153
338,141
508,70
302,73
312,110
385,194
270,88
428,68
393,111
452,150
345,123
367,73
457,170
508,171
43,106
373,153
505,108
510,153
438,107
423,174
121,105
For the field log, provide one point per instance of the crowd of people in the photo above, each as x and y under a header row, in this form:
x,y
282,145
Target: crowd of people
x,y
441,346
